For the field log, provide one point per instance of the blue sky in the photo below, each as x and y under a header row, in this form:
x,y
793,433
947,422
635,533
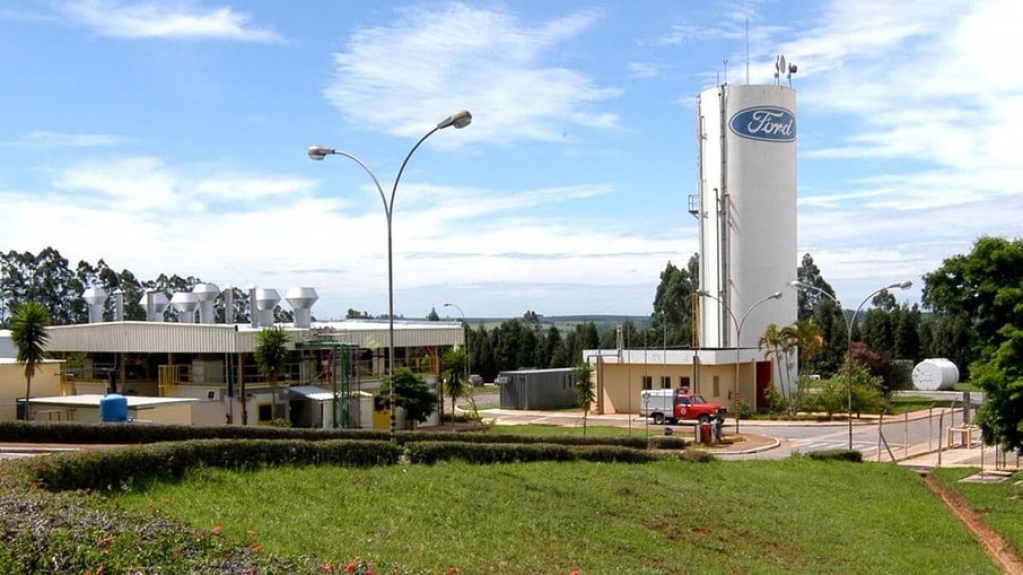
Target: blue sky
x,y
171,137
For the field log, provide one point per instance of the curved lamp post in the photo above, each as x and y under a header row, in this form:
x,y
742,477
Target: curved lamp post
x,y
848,330
738,335
468,358
459,120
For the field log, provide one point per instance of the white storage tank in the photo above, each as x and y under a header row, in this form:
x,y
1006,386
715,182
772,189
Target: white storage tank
x,y
935,374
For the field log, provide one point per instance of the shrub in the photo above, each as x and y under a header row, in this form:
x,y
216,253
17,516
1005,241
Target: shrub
x,y
666,442
114,468
434,451
836,455
136,433
696,456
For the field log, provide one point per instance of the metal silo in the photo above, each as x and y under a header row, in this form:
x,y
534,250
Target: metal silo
x,y
747,211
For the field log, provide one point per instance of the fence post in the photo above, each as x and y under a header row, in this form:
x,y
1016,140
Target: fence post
x,y
905,434
941,427
930,426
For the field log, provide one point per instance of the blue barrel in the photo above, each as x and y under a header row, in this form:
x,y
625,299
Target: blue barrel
x,y
113,407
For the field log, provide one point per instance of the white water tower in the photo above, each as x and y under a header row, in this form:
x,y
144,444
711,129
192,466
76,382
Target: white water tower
x,y
747,209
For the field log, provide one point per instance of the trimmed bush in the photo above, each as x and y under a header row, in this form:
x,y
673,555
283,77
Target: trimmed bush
x,y
135,433
434,451
836,455
634,442
113,468
667,442
139,433
612,454
696,456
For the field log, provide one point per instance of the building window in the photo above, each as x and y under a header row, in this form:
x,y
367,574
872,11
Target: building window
x,y
648,382
717,386
683,382
665,382
265,413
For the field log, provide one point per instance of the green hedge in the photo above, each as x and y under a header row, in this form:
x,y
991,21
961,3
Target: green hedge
x,y
667,442
135,433
435,451
145,433
836,455
113,468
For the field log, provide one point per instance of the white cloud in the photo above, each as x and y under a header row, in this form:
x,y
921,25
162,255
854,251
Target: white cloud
x,y
465,57
916,112
43,139
118,19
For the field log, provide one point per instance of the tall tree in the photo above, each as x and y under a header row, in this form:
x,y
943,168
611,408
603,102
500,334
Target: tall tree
x,y
986,287
672,318
28,334
271,356
808,300
829,319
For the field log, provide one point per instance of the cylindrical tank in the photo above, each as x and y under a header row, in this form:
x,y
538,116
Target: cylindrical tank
x,y
935,374
113,407
747,180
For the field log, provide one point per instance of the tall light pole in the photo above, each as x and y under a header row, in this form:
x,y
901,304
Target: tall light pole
x,y
848,330
468,358
738,336
459,119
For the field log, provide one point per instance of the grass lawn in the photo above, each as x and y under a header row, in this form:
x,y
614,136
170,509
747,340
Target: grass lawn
x,y
1000,504
756,517
900,404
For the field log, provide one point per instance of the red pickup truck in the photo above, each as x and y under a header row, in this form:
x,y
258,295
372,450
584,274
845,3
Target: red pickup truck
x,y
672,405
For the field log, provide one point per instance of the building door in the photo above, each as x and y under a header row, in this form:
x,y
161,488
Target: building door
x,y
763,383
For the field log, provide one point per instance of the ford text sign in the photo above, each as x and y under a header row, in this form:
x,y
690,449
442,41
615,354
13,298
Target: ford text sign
x,y
766,123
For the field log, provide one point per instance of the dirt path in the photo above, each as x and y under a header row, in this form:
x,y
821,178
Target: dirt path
x,y
989,539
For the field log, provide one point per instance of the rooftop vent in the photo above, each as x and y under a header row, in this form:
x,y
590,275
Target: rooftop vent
x,y
266,300
155,303
95,297
302,300
185,303
206,294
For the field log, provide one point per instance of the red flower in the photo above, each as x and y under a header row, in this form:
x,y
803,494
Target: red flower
x,y
216,530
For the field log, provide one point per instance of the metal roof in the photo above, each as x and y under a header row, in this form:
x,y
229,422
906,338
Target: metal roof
x,y
170,337
93,400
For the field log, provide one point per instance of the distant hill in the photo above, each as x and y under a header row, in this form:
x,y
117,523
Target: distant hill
x,y
568,322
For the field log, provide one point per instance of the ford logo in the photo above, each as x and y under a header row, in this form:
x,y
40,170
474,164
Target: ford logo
x,y
765,123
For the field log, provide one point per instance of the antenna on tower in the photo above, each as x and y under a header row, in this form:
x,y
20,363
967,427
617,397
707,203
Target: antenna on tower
x,y
747,50
780,68
784,68
725,62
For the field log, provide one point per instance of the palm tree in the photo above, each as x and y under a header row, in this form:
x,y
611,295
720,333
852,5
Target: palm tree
x,y
584,389
454,363
805,336
779,343
28,334
271,356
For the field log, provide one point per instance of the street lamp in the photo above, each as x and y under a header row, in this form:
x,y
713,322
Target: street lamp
x,y
738,337
848,330
459,119
468,358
